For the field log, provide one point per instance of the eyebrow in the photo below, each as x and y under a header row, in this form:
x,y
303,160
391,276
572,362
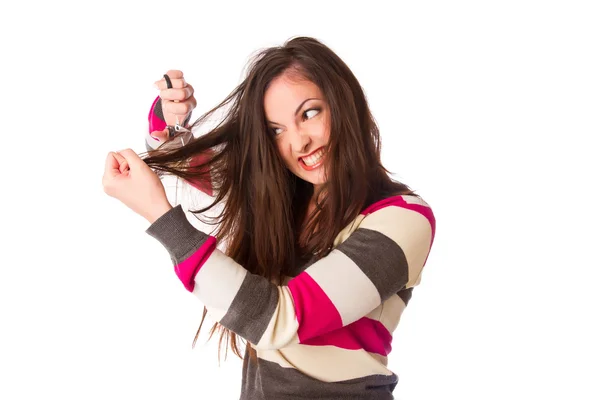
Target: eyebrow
x,y
297,109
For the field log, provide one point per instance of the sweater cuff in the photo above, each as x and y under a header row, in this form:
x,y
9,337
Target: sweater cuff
x,y
177,234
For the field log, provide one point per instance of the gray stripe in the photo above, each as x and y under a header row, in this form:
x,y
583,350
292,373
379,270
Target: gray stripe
x,y
380,258
405,295
158,111
177,234
148,147
252,308
268,380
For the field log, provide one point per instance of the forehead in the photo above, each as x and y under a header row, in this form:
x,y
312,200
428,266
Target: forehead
x,y
285,92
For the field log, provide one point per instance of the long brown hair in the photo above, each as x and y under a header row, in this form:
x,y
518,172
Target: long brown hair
x,y
264,205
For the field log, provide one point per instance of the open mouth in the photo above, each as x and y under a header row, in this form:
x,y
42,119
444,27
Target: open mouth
x,y
312,161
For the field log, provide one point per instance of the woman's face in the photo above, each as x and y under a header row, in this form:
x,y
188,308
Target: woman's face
x,y
298,118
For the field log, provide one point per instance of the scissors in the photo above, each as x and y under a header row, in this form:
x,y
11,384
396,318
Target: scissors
x,y
178,130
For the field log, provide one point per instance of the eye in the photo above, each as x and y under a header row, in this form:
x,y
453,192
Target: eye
x,y
304,114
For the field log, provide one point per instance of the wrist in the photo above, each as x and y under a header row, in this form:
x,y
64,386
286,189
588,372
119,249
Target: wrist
x,y
158,212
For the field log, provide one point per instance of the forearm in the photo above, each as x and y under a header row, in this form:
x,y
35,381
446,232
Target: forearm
x,y
246,303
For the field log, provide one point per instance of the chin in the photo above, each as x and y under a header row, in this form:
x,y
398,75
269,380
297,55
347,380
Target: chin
x,y
312,179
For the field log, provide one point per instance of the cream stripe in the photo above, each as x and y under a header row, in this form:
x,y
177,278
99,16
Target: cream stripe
x,y
352,226
383,360
347,231
409,229
217,283
414,200
283,326
327,363
342,280
389,313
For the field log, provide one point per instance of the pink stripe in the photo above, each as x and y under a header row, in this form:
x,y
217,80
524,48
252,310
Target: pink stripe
x,y
366,334
390,201
187,270
315,312
155,123
398,201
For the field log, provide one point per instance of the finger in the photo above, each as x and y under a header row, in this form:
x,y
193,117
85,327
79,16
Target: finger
x,y
161,135
175,74
177,94
182,109
175,83
123,164
131,157
120,158
172,74
111,166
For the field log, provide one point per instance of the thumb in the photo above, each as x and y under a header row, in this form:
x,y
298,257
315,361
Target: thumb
x,y
161,135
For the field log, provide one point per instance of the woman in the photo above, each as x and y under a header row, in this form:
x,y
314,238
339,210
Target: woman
x,y
323,249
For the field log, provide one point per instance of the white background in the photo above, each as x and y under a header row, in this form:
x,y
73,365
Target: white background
x,y
487,109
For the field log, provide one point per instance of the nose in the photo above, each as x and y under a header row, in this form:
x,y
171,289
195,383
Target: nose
x,y
300,141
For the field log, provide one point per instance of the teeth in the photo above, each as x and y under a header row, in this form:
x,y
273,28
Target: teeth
x,y
312,160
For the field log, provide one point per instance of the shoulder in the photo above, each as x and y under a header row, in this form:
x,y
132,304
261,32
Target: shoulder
x,y
393,234
400,216
403,201
395,217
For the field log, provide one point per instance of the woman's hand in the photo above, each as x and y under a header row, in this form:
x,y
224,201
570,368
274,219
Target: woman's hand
x,y
177,103
128,179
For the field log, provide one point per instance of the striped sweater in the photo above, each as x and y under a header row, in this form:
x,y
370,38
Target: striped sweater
x,y
325,333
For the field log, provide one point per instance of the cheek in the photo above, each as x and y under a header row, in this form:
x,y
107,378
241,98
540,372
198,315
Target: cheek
x,y
284,152
326,134
322,128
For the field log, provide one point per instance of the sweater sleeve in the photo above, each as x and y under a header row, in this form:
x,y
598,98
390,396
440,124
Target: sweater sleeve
x,y
383,256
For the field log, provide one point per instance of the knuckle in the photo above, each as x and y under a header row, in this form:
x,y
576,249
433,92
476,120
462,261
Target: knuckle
x,y
174,73
170,108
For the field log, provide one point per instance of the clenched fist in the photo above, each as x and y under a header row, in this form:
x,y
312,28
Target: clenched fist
x,y
128,179
177,102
